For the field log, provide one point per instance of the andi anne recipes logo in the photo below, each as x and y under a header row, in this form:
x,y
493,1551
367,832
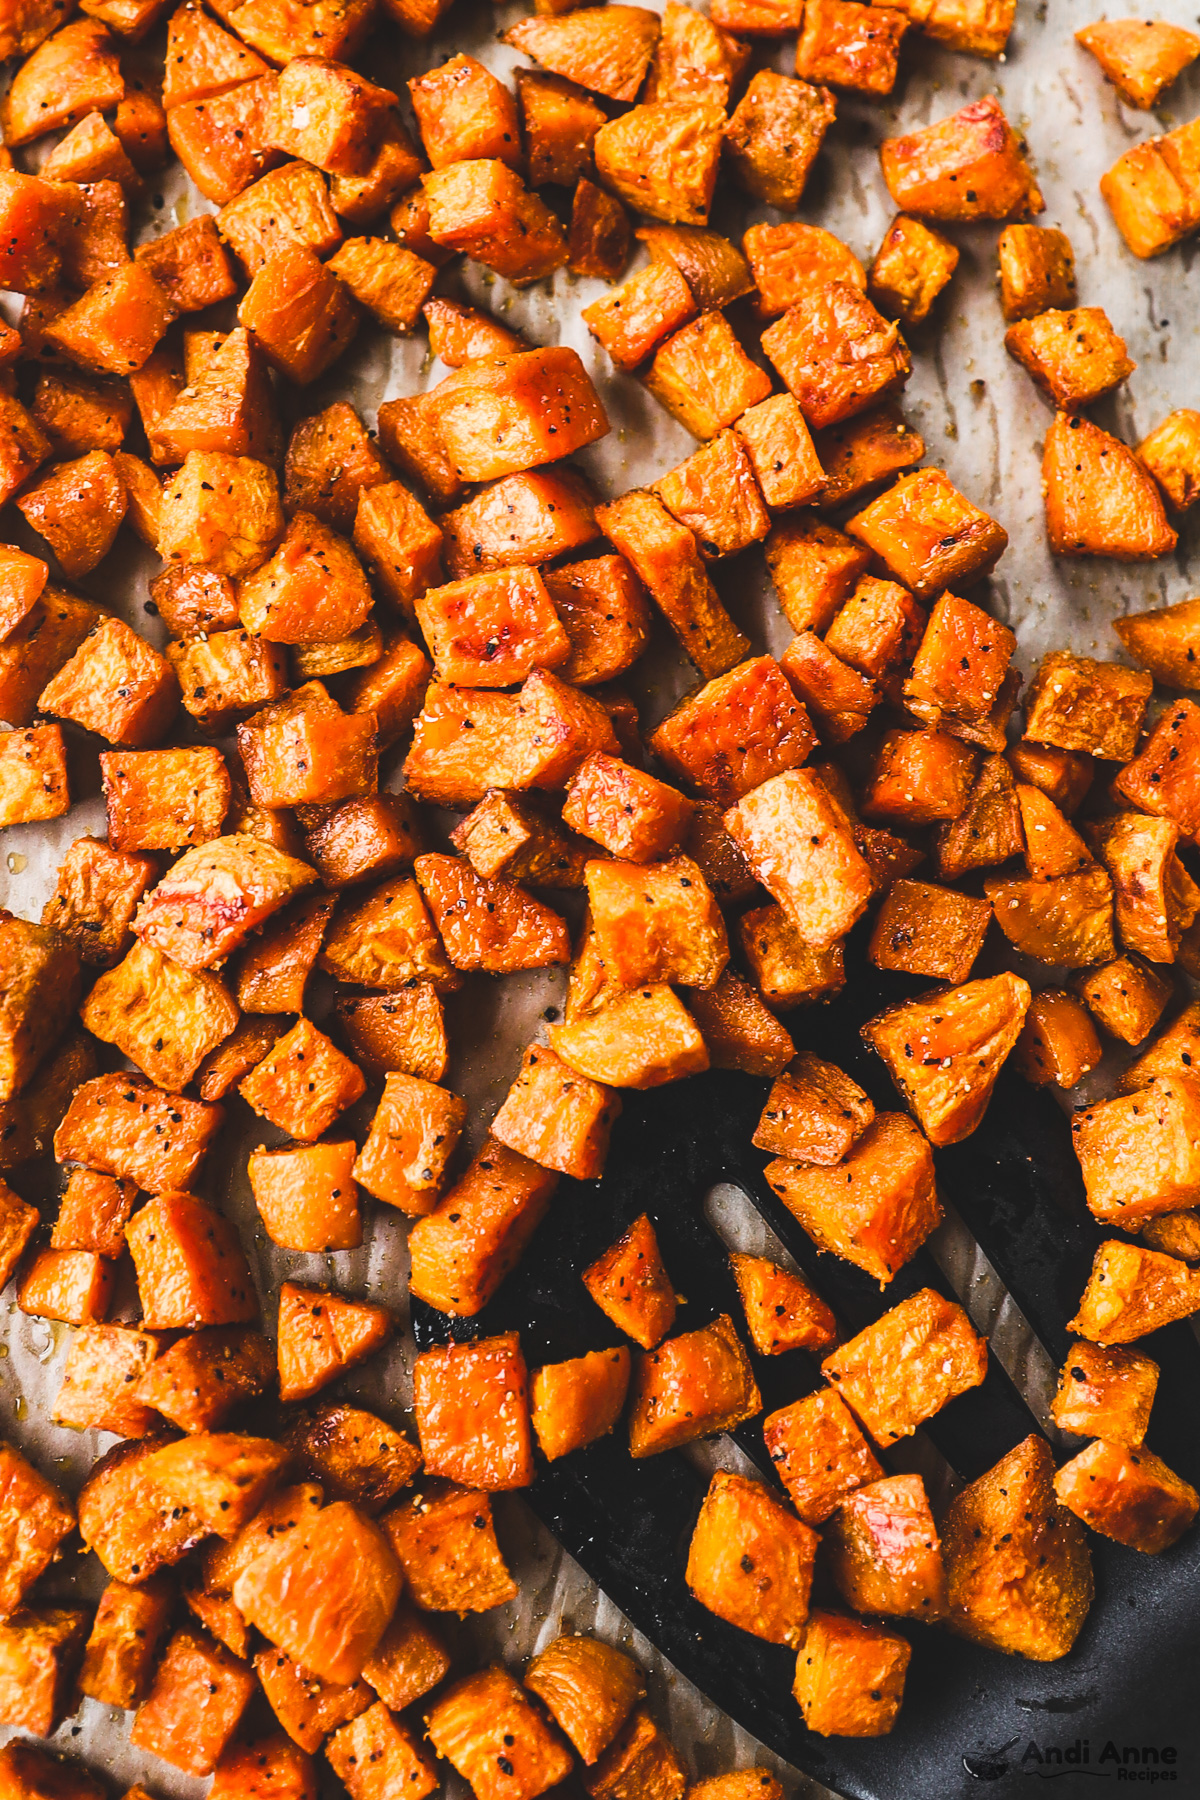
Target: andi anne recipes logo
x,y
1085,1757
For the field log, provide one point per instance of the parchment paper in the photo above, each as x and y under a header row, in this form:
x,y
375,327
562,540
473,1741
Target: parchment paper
x,y
983,422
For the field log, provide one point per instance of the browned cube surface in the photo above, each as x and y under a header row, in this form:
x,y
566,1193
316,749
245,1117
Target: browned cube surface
x,y
1132,1291
1100,498
750,1561
850,1677
1128,1494
1106,1393
485,1722
782,1311
39,1654
446,1543
472,1411
905,1367
775,134
945,1054
922,929
968,166
689,1387
34,1521
589,1687
122,1125
576,1402
377,1757
814,1113
124,1642
630,1284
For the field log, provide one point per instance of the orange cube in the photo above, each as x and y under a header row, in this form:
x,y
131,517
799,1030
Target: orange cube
x,y
778,126
782,1311
321,1334
484,209
739,1031
574,1403
411,1141
376,1758
78,508
964,1036
631,1286
300,312
215,895
929,535
556,1117
819,1453
588,1687
655,924
1129,1495
72,1285
633,319
750,1560
308,1708
1140,57
116,685
492,629
715,493
641,1759
798,842
850,1677
968,166
908,1365
520,521
926,930
690,1387
837,354
733,734
505,414
387,941
446,1543
704,378
884,1551
814,1113
1075,357
1132,1291
304,1083
492,925
199,1380
463,114
190,1266
39,1654
405,1032
192,1710
33,776
35,1519
307,1197
961,663
490,1732
463,1250
471,1402
304,750
122,1125
115,326
123,1645
1106,1394
312,590
608,54
1058,1044
409,1659
1136,1151
1100,498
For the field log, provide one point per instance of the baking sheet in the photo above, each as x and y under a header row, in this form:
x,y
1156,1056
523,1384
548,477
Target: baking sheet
x,y
982,421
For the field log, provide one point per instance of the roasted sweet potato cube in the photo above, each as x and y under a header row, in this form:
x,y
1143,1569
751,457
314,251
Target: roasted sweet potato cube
x,y
33,776
1037,270
223,140
307,1707
80,412
739,1031
662,158
362,840
22,582
873,1209
312,590
704,378
357,1456
18,1222
72,73
657,923
123,1126
690,1387
781,452
1100,499
304,1083
165,1019
836,354
483,208
399,542
411,1141
485,1724
223,1477
1140,57
331,460
329,115
321,1334
306,1196
1129,1495
465,114
559,121
736,732
471,1402
641,1039
884,1551
508,835
77,507
750,1560
267,1764
226,673
222,511
492,925
919,778
631,1286
556,1117
814,1113
837,696
190,1266
1075,357
922,929
850,1677
446,1543
634,319
908,1365
28,1122
324,1592
863,451
666,557
463,1250
228,406
304,750
492,629
792,261
1136,1151
814,570
193,600
114,327
35,1519
287,209
961,664
945,1053
28,1770
40,988
912,266
35,215
742,1784
505,414
1172,455
1162,779
603,51
1020,1577
523,520
775,134
387,941
1126,998
409,1659
202,59
200,1379
403,1032
1106,1394
631,814
24,446
287,1508
782,1311
192,1710
216,895
74,1286
1176,1234
785,967
1155,898
588,1687
132,1524
300,312
968,166
39,1654
1176,1051
819,1453
574,1403
640,1760
377,1758
388,279
461,334
1132,1291
1058,1044
123,1645
851,47
191,265
798,842
928,534
715,493
164,799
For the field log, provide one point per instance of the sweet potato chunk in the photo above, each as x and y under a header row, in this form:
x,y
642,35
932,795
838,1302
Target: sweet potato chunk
x,y
223,1477
1136,1152
849,47
968,166
123,1126
215,896
715,493
798,842
505,414
465,114
463,1250
750,1561
704,378
202,1378
321,1334
164,1018
485,1727
574,1403
307,1707
690,1387
35,1518
631,1286
123,1644
39,986
412,1138
409,1659
926,930
492,629
640,1760
1100,499
1140,57
73,73
1075,357
222,511
850,1677
356,1456
814,1113
836,354
884,1550
641,1039
739,1031
1106,1394
588,1687
1058,1044
633,319
1129,1495
658,923
492,925
945,1053
1172,455
604,49
928,534
1155,898
786,969
1132,1291
304,1083
666,556
876,1207
911,267
446,1543
306,1196
472,1412
377,1758
312,590
1019,1572
483,208
908,1365
556,1117
39,1654
775,133
662,158
18,1222
192,1710
190,1266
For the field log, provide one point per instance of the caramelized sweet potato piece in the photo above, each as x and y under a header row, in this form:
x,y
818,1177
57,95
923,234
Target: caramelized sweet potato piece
x,y
123,1126
18,1222
782,1311
321,1334
1100,499
306,1196
356,1456
1075,357
409,1659
1129,1495
588,1687
945,1053
574,1403
775,133
472,1412
1155,898
1106,1394
785,967
631,1286
505,414
39,1654
163,1018
300,312
376,1757
446,1543
641,1039
304,1083
1132,1291
604,49
134,1526
641,1759
884,1550
691,1386
968,166
908,1365
850,1677
461,1252
215,896
928,534
192,1710
750,1561
412,1138
814,1113
124,1641
198,1382
926,930
483,208
35,1519
486,1722
556,1117
799,844
190,1266
1058,1044
1140,57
